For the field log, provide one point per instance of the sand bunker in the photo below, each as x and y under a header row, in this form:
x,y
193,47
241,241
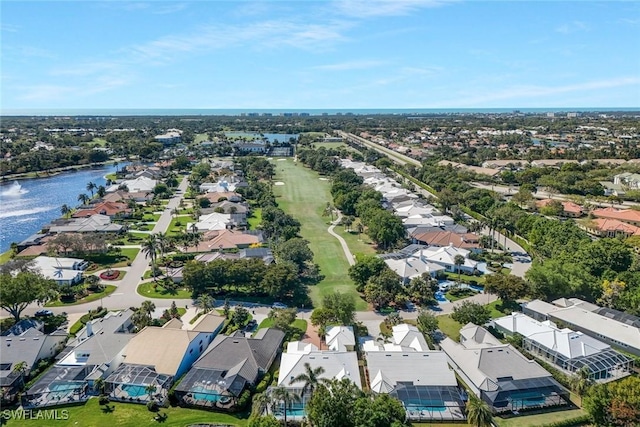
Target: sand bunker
x,y
278,183
323,179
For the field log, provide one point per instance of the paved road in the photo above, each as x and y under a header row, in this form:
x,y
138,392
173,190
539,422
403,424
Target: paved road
x,y
344,245
125,295
521,260
393,155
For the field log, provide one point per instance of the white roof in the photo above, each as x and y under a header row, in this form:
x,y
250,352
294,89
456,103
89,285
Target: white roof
x,y
628,335
412,266
56,262
139,184
339,337
300,347
336,365
421,368
446,255
405,338
541,307
212,221
569,343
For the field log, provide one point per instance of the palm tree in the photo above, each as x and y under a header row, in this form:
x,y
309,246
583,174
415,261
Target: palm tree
x,y
101,191
581,381
98,385
20,368
163,243
150,248
478,412
458,260
359,229
328,211
150,389
148,307
310,378
261,404
83,198
65,210
205,303
91,187
285,396
116,165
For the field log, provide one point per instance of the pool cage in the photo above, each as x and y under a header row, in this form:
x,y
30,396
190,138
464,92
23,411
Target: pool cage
x,y
138,384
526,394
210,388
431,403
58,386
604,365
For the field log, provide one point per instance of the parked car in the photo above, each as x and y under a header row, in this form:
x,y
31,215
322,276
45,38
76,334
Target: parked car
x,y
278,305
44,312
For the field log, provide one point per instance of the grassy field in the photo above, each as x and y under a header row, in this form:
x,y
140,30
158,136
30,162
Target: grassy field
x,y
255,219
538,419
93,297
357,244
199,137
305,197
449,326
128,415
177,229
146,290
5,257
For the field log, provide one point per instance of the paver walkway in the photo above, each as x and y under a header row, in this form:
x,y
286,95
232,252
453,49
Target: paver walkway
x,y
344,245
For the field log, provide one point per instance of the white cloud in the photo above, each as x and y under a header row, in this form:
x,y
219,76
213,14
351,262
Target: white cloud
x,y
350,65
572,27
375,8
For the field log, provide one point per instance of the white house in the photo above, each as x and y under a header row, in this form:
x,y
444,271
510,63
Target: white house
x,y
341,338
445,256
212,221
405,338
414,265
140,184
64,271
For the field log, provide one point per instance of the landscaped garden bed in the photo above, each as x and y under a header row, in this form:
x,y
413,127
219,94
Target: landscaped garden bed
x,y
112,275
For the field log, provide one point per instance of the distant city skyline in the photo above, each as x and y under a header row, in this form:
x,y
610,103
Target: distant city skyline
x,y
404,54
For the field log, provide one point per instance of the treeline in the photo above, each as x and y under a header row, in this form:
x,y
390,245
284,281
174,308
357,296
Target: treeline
x,y
352,197
44,160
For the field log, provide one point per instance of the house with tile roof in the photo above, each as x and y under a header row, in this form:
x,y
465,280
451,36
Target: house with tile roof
x,y
94,224
630,216
441,238
110,209
607,227
569,209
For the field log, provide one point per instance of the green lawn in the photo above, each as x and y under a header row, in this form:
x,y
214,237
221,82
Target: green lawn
x,y
129,415
305,197
499,309
465,278
298,324
255,219
100,141
538,419
93,297
449,326
174,228
130,253
357,244
146,290
5,257
199,137
151,217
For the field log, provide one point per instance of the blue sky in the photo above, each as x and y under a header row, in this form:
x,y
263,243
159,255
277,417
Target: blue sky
x,y
320,54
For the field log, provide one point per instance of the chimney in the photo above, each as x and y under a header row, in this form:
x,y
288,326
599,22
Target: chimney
x,y
89,329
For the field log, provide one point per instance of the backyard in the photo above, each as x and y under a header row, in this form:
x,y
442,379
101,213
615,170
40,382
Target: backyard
x,y
305,196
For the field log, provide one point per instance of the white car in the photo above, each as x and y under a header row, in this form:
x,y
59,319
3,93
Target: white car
x,y
278,305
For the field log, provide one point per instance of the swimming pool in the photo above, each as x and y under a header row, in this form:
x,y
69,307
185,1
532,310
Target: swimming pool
x,y
201,393
527,398
134,390
425,405
60,391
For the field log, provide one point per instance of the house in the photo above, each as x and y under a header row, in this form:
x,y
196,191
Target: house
x,y
248,147
25,342
64,271
565,348
427,220
441,238
630,216
109,209
606,227
551,163
474,169
505,164
212,221
218,196
405,338
628,180
263,253
216,240
336,364
409,266
172,136
229,365
569,209
94,224
500,375
340,338
446,256
615,328
139,184
422,381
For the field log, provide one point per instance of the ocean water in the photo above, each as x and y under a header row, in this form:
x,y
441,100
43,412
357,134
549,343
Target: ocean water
x,y
310,111
26,205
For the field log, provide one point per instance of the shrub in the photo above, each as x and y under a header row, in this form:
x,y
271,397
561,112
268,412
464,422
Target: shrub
x,y
152,406
103,400
244,400
571,422
262,385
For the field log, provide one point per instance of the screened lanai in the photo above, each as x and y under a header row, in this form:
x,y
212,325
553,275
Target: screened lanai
x,y
138,383
603,365
430,403
210,388
531,393
59,385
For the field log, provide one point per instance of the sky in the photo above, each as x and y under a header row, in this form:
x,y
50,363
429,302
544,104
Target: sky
x,y
271,54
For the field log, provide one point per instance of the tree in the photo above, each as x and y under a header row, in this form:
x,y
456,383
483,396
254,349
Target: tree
x,y
148,307
240,316
381,290
331,405
366,266
65,210
150,249
478,412
286,397
581,381
263,421
91,187
205,303
281,280
99,385
83,198
427,323
615,403
101,191
458,260
320,317
295,251
283,318
380,411
310,377
470,312
552,208
261,403
612,290
341,307
26,287
150,389
507,287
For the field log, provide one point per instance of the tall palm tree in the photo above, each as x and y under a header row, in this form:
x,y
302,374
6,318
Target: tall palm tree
x,y
148,307
310,377
83,198
261,404
150,249
101,191
98,385
478,412
91,186
458,260
20,368
285,396
581,381
65,210
150,389
205,303
163,243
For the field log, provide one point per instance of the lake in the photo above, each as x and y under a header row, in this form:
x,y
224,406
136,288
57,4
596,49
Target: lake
x,y
28,204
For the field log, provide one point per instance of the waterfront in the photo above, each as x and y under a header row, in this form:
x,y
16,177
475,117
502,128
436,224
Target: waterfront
x,y
28,204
